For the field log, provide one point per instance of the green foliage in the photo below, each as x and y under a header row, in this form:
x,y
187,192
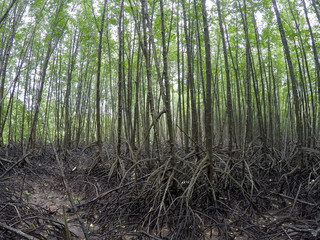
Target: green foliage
x,y
63,18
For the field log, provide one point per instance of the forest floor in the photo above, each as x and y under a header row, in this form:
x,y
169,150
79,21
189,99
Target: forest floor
x,y
117,199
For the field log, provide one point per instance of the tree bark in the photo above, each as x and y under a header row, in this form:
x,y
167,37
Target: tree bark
x,y
166,96
226,62
120,77
190,78
50,49
208,102
294,89
316,60
72,57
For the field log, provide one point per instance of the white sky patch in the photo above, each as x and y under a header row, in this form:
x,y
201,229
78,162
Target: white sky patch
x,y
209,4
260,23
26,17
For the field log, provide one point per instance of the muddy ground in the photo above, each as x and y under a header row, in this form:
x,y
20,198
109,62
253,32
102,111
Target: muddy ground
x,y
122,198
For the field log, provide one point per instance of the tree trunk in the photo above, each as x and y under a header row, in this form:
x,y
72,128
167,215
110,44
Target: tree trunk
x,y
208,102
98,118
317,64
226,62
42,80
166,97
72,57
294,89
191,81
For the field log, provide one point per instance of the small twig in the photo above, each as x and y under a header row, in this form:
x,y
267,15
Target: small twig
x,y
295,200
314,232
110,191
315,151
286,233
291,198
52,221
151,236
17,231
5,160
16,211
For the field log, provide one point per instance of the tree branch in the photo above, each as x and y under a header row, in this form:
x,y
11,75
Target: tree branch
x,y
17,231
7,12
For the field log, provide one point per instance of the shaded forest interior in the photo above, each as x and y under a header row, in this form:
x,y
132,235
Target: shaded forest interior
x,y
180,119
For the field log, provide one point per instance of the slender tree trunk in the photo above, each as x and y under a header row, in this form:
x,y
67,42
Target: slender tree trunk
x,y
120,77
208,102
166,97
5,15
135,133
236,71
3,118
42,79
179,84
278,132
79,101
113,108
150,99
190,78
130,56
98,91
316,9
294,89
72,57
249,125
4,65
262,113
199,69
317,65
226,62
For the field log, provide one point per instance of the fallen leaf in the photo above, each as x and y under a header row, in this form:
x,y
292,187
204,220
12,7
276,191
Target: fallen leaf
x,y
53,209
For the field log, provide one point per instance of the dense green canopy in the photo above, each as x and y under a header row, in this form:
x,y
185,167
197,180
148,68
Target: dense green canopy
x,y
49,60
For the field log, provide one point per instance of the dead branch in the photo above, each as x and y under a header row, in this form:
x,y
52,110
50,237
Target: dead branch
x,y
5,160
292,198
110,191
15,164
17,231
314,232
